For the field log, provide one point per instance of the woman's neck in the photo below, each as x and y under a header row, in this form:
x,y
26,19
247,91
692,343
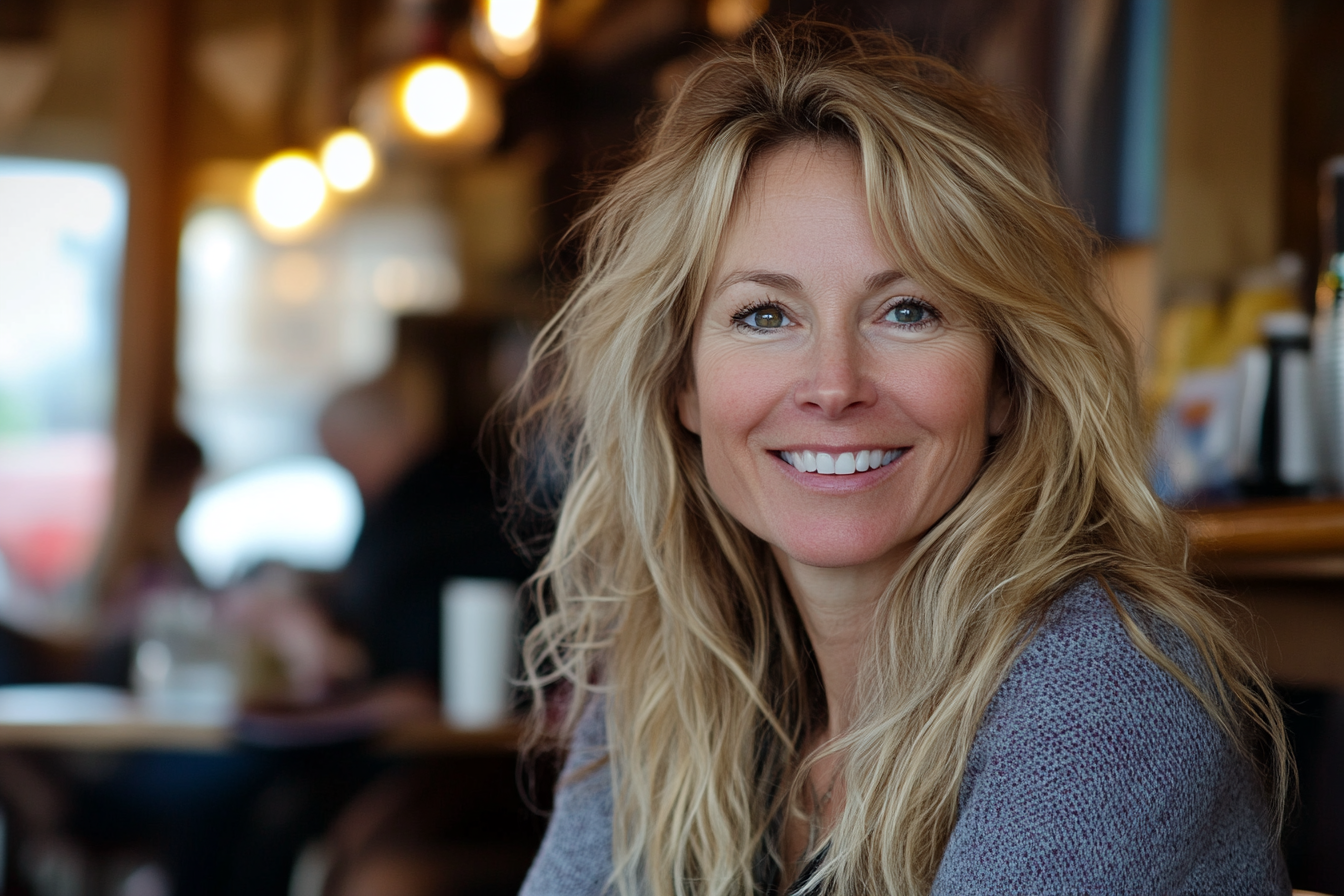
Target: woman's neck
x,y
837,608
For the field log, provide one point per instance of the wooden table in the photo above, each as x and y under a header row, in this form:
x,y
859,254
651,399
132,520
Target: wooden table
x,y
90,717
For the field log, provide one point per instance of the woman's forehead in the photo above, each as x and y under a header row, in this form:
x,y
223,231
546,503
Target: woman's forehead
x,y
816,184
792,158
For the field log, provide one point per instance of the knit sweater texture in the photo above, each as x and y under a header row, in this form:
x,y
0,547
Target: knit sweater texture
x,y
1093,772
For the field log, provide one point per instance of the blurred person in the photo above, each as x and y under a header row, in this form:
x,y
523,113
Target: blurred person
x,y
371,643
428,516
380,429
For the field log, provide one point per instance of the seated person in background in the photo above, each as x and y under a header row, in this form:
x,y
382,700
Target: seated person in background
x,y
429,516
445,827
407,439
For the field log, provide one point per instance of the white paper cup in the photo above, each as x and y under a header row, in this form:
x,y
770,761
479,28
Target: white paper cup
x,y
479,650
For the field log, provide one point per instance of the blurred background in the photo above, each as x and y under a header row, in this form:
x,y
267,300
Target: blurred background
x,y
266,264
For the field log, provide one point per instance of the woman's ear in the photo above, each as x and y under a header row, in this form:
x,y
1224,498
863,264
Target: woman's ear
x,y
688,407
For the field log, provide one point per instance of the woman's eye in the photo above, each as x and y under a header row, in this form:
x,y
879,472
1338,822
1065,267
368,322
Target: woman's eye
x,y
767,317
910,313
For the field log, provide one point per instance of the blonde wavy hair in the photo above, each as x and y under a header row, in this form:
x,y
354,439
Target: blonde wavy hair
x,y
652,595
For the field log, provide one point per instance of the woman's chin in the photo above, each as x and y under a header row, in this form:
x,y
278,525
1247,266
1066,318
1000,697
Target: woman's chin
x,y
840,554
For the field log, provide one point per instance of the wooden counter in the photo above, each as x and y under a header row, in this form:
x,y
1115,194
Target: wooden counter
x,y
1284,562
1272,539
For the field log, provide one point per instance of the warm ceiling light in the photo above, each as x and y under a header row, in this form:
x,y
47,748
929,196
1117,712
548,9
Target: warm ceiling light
x,y
513,24
348,160
436,98
505,32
730,18
430,108
288,191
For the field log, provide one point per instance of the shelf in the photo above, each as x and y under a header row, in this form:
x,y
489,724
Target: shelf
x,y
1271,539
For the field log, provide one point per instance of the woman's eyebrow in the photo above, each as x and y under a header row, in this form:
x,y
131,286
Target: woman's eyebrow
x,y
772,279
883,279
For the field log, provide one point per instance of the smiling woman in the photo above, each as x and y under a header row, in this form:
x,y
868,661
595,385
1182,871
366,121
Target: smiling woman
x,y
856,582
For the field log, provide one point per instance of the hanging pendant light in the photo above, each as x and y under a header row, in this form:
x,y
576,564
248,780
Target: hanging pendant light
x,y
507,32
287,194
433,106
348,161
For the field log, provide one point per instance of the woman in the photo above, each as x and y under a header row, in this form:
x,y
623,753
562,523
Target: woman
x,y
856,582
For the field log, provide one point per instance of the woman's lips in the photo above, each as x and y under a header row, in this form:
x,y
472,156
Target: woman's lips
x,y
840,464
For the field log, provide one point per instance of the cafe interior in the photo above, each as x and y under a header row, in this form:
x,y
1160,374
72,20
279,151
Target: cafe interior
x,y
267,265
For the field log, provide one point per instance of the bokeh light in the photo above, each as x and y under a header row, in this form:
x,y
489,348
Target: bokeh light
x,y
730,18
436,98
288,191
513,25
348,160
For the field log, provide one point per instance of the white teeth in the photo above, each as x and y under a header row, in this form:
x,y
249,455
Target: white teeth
x,y
845,464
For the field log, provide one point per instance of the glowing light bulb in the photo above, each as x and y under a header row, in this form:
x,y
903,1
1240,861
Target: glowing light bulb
x,y
513,23
730,18
348,160
436,98
288,191
506,33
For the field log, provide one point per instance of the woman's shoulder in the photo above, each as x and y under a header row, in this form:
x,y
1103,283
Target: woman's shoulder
x,y
1082,625
1093,764
575,855
1081,686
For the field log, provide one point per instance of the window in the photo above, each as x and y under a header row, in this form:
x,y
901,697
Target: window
x,y
62,234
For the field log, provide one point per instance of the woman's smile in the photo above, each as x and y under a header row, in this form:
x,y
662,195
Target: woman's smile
x,y
840,463
842,408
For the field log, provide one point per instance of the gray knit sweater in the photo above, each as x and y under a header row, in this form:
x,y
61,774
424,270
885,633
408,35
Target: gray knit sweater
x,y
1093,772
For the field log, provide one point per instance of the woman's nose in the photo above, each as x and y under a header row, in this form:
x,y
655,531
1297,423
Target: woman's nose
x,y
835,380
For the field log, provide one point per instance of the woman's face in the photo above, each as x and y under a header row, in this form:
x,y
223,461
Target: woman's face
x,y
842,408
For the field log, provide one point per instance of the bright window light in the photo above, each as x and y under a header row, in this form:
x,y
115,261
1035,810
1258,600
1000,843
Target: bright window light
x,y
302,511
62,226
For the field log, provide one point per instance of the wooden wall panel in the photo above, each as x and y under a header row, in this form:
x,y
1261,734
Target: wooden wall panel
x,y
1220,208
